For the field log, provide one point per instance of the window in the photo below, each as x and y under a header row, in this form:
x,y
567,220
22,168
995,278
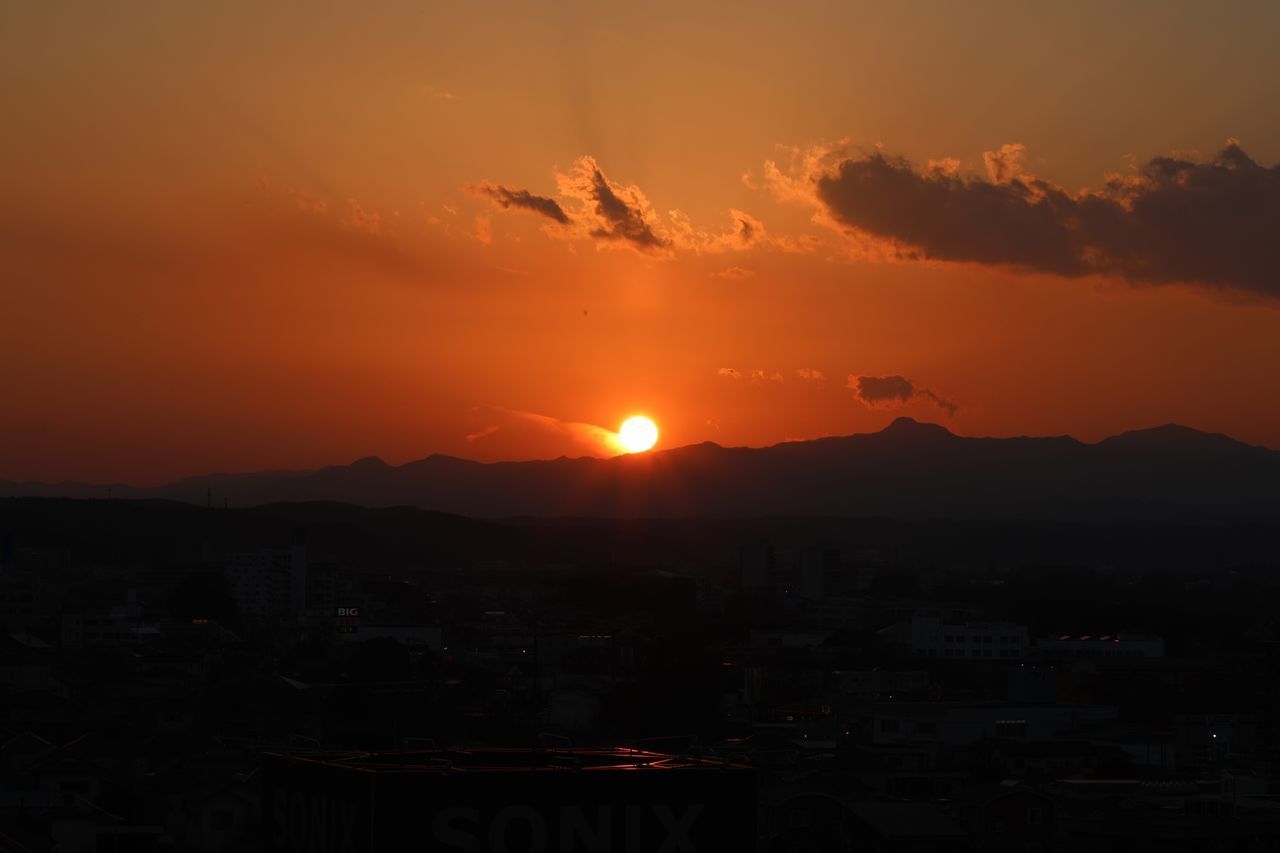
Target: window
x,y
1011,728
1035,816
800,817
222,819
889,726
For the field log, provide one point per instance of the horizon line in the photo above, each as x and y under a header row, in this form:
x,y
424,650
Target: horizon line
x,y
896,422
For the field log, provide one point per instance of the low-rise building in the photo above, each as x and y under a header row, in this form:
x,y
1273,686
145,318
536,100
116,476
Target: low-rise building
x,y
933,637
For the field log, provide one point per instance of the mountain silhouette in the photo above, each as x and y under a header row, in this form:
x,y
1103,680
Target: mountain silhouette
x,y
907,470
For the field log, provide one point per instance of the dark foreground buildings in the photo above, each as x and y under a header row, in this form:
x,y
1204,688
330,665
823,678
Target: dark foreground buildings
x,y
452,685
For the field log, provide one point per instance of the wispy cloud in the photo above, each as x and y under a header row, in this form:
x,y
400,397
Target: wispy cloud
x,y
483,230
482,432
570,437
758,374
734,273
365,220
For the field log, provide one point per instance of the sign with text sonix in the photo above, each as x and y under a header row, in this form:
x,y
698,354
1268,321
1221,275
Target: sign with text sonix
x,y
313,806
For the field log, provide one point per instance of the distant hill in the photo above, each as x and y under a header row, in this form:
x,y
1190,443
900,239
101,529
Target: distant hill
x,y
143,536
908,470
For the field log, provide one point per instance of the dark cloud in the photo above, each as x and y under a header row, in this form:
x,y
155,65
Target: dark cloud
x,y
876,390
1176,219
619,219
619,215
507,197
892,391
612,214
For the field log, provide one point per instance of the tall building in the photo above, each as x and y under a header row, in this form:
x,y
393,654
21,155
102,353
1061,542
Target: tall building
x,y
269,581
755,565
816,564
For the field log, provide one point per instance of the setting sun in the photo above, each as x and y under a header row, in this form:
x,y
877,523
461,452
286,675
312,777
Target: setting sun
x,y
637,434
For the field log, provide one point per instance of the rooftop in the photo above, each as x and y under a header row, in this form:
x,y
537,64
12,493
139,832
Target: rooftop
x,y
495,760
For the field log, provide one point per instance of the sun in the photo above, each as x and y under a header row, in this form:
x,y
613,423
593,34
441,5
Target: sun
x,y
637,434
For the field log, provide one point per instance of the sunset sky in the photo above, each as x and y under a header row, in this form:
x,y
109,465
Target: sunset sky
x,y
249,236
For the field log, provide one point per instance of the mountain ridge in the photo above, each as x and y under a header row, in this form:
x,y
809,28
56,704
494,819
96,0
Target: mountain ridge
x,y
909,469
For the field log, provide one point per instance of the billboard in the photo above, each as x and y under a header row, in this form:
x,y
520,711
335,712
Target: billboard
x,y
307,807
335,808
347,619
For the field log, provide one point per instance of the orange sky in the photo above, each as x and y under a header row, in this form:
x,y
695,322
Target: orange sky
x,y
266,237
